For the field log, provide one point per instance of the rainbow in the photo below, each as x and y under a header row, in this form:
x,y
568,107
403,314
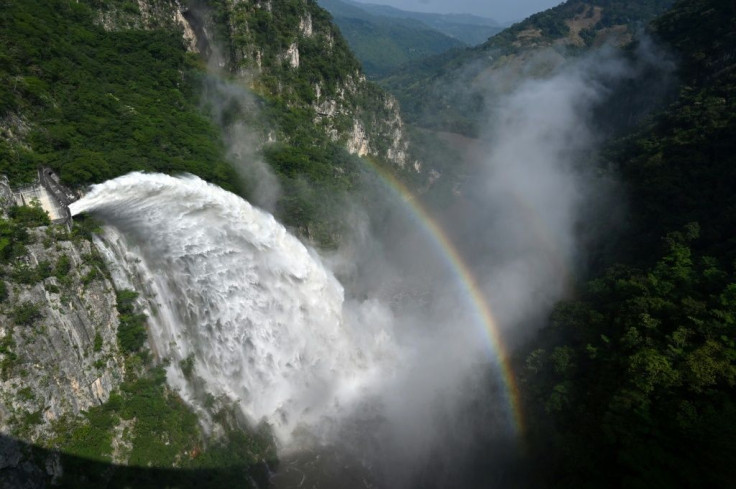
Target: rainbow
x,y
470,285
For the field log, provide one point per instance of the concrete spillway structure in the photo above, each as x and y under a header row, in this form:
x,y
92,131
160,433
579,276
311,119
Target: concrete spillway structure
x,y
51,195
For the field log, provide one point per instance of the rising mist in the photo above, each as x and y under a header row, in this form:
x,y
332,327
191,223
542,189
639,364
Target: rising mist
x,y
530,206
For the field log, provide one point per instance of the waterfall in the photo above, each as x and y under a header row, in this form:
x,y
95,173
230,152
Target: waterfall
x,y
229,287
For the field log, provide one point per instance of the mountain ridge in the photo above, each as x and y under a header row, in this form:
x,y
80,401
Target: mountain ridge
x,y
382,42
469,28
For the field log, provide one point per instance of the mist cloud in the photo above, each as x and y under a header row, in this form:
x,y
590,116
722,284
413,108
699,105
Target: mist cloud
x,y
539,175
234,109
539,196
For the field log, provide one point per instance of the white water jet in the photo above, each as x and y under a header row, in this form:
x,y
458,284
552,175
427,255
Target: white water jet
x,y
229,287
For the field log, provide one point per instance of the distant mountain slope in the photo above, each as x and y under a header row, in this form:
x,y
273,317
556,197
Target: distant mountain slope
x,y
449,91
384,43
470,29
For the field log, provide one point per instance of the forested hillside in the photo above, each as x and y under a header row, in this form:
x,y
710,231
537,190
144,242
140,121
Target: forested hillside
x,y
458,88
633,383
94,90
94,104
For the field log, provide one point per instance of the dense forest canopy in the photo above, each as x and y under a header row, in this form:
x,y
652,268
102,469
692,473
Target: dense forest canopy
x,y
94,104
633,383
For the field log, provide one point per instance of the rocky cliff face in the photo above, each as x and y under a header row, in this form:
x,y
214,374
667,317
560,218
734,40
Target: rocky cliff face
x,y
58,325
145,14
290,49
284,49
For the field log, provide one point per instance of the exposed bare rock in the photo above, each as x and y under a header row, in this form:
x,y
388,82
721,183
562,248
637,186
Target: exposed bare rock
x,y
347,107
305,25
292,55
62,357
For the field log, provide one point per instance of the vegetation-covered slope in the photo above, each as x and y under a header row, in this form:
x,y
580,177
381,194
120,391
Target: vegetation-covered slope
x,y
94,104
450,91
315,107
634,383
98,89
290,53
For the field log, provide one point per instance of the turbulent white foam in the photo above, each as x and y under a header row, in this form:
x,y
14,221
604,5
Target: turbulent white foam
x,y
259,313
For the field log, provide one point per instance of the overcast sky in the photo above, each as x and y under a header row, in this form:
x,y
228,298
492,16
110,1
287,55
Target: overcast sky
x,y
501,10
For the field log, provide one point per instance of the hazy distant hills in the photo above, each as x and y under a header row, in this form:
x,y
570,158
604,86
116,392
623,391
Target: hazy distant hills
x,y
470,29
384,38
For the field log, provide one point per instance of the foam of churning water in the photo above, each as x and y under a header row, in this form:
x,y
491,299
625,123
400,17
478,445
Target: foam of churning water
x,y
232,289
